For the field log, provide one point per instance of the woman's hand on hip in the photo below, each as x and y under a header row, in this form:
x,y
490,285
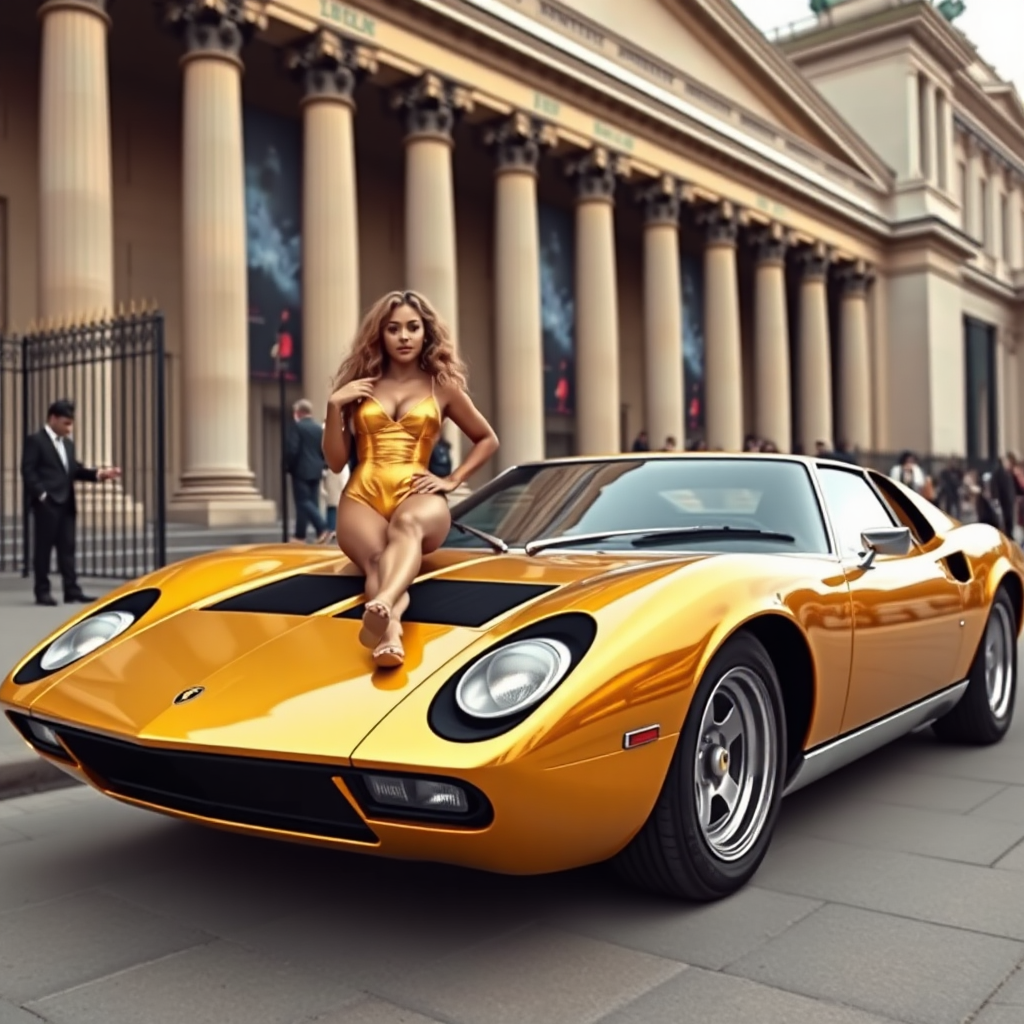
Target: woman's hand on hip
x,y
427,483
353,391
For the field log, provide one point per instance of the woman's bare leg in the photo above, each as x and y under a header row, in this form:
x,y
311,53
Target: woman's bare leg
x,y
362,535
419,526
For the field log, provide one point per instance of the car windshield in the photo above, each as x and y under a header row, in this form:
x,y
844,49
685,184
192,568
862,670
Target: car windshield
x,y
769,505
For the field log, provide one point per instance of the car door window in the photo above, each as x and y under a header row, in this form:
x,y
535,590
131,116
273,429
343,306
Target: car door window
x,y
853,507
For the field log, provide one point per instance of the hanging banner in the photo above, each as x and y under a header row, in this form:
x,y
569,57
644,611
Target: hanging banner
x,y
691,268
558,309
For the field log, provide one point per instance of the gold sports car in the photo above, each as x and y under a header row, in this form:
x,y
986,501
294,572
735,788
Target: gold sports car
x,y
630,658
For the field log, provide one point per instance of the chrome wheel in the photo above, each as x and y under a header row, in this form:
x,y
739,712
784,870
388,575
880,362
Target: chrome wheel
x,y
734,767
999,661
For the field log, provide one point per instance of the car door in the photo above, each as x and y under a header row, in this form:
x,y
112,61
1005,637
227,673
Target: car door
x,y
906,609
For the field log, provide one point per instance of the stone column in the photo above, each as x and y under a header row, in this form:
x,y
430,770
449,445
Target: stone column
x,y
771,341
217,485
663,314
914,155
929,158
597,303
518,340
1016,185
329,70
723,357
815,361
855,359
76,236
431,106
975,174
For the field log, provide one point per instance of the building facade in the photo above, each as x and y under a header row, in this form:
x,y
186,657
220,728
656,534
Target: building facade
x,y
634,216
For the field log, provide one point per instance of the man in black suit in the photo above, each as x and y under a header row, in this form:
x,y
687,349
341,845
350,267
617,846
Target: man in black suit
x,y
49,470
304,460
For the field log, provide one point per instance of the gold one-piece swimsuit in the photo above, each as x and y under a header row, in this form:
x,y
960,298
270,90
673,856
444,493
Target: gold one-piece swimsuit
x,y
391,452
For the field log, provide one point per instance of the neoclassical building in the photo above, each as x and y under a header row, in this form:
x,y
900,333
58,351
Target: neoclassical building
x,y
640,216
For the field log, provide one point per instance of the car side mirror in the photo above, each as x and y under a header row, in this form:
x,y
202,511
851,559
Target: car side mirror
x,y
891,540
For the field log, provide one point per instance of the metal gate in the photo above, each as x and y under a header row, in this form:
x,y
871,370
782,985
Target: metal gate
x,y
113,370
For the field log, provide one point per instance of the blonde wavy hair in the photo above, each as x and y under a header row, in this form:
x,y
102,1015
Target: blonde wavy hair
x,y
368,357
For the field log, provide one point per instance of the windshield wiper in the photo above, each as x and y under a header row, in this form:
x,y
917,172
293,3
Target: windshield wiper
x,y
495,542
650,538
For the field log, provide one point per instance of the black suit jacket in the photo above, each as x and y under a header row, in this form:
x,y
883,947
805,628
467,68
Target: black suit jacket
x,y
304,454
44,473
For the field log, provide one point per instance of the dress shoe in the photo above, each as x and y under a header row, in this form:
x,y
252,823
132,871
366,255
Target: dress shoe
x,y
78,598
46,599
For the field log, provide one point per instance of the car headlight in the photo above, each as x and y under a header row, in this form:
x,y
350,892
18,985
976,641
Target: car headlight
x,y
513,677
84,637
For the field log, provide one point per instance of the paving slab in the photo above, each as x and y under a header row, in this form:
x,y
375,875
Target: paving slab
x,y
536,974
51,946
709,935
372,1011
923,973
943,834
1006,805
218,983
699,995
924,888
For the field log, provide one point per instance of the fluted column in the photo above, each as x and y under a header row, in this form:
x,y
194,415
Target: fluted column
x,y
855,359
518,339
217,485
329,70
663,312
723,357
76,238
974,214
815,360
597,304
771,341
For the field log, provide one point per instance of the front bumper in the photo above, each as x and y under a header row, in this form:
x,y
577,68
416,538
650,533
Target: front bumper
x,y
520,819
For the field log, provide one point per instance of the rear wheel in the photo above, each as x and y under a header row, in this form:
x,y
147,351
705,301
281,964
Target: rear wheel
x,y
983,714
712,824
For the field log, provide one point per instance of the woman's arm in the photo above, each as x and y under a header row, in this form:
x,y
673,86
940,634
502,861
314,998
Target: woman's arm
x,y
336,439
459,408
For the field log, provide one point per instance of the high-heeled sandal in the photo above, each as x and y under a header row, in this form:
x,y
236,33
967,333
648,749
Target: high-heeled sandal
x,y
375,624
389,655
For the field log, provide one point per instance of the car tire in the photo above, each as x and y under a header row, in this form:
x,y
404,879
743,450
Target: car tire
x,y
983,714
695,844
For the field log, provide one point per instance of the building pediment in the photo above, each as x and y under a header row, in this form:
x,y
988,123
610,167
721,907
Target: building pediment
x,y
709,45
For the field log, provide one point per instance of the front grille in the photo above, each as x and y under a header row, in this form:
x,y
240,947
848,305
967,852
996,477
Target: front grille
x,y
285,795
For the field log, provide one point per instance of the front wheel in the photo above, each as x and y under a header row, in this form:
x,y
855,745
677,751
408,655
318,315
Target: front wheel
x,y
710,829
983,714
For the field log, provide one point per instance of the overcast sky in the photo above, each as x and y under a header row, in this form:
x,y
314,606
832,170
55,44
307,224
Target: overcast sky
x,y
996,27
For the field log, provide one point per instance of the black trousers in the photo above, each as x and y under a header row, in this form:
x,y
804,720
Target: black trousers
x,y
54,528
307,507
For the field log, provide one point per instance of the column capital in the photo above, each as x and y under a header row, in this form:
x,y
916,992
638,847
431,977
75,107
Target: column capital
x,y
662,201
97,7
770,244
431,106
518,142
722,223
596,173
214,28
855,277
814,262
329,67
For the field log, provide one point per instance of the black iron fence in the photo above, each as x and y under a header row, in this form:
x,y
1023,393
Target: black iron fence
x,y
113,370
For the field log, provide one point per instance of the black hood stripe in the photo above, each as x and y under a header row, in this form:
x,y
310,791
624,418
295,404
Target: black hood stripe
x,y
442,602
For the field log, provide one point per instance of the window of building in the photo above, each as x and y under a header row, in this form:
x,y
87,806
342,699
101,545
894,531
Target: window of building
x,y
853,508
941,140
924,141
982,411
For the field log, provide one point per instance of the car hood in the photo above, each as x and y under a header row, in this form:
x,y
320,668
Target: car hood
x,y
282,671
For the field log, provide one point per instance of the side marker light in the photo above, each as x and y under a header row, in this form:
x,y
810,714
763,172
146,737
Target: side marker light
x,y
639,737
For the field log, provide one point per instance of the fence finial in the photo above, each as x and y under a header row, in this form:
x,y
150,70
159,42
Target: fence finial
x,y
120,308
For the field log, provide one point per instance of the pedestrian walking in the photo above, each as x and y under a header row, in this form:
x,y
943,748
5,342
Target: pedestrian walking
x,y
304,461
49,470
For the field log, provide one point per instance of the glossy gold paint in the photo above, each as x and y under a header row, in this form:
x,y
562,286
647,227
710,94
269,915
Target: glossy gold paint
x,y
564,791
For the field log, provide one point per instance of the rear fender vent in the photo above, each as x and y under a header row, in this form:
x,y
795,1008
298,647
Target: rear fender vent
x,y
958,566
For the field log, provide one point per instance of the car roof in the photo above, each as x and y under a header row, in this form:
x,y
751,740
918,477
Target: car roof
x,y
808,460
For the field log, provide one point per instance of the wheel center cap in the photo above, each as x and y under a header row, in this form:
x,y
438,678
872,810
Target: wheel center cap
x,y
719,761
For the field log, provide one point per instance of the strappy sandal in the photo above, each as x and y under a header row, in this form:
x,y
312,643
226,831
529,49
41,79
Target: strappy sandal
x,y
374,624
390,655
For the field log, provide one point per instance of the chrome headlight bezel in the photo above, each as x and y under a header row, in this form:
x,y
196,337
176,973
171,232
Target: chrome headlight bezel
x,y
84,637
475,689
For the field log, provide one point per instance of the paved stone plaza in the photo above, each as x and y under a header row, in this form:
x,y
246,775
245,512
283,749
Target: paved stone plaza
x,y
894,892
